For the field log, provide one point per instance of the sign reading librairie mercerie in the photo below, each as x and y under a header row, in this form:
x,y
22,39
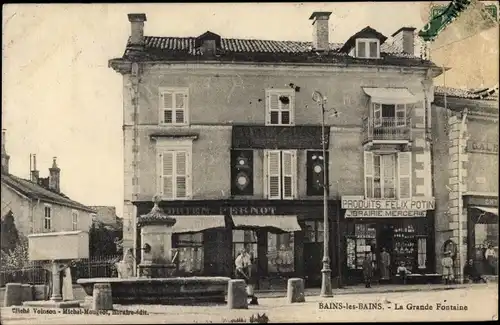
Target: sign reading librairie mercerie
x,y
385,214
413,204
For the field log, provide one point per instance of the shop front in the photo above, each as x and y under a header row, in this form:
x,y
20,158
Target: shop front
x,y
402,228
285,238
482,232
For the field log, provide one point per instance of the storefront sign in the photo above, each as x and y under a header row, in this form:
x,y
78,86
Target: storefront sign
x,y
414,204
482,147
483,201
385,213
222,210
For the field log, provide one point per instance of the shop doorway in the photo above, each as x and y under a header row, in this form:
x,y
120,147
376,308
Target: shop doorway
x,y
385,239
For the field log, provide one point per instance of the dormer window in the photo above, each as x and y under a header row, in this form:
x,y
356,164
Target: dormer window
x,y
367,48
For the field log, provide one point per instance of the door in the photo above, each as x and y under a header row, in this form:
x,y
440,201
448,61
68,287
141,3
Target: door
x,y
313,251
385,241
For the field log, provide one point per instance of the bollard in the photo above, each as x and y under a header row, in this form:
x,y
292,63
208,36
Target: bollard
x,y
102,297
26,292
295,290
237,295
12,295
40,292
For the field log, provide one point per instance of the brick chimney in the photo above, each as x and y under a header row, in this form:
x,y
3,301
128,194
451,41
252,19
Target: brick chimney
x,y
5,156
137,29
321,37
54,176
405,37
35,174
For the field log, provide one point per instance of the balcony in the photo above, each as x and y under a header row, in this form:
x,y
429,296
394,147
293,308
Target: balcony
x,y
386,130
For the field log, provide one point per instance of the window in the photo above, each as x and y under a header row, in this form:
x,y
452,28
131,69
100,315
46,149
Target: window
x,y
188,252
174,169
245,239
280,107
390,115
422,253
315,172
361,243
173,106
367,48
314,231
74,220
280,253
281,174
47,220
388,175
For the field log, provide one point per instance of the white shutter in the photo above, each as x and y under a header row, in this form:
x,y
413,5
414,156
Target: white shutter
x,y
167,173
368,174
400,115
180,174
289,176
274,175
273,113
167,107
404,170
377,114
292,109
180,100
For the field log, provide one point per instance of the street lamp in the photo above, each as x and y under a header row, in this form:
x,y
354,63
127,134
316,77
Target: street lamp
x,y
326,272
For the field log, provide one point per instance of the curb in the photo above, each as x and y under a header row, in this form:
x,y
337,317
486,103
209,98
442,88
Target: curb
x,y
351,292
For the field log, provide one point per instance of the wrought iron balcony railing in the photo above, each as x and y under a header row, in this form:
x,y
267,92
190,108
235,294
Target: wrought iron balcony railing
x,y
386,128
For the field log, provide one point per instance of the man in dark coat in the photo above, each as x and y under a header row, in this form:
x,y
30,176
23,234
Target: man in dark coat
x,y
471,272
367,270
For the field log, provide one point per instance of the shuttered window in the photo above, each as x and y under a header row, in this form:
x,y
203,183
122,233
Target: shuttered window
x,y
174,176
387,175
280,106
74,220
281,174
173,106
404,169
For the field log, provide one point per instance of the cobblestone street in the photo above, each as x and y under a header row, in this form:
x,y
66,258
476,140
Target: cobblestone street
x,y
481,302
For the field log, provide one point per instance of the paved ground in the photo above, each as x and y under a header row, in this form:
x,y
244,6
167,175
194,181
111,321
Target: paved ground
x,y
481,302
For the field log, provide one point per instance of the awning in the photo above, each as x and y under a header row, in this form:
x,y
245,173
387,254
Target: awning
x,y
197,223
390,95
285,223
485,209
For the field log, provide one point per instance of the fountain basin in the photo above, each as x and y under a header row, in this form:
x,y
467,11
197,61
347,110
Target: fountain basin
x,y
175,290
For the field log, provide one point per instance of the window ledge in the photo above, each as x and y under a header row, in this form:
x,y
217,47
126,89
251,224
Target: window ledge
x,y
175,135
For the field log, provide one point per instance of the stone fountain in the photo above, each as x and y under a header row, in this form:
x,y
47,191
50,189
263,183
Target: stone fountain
x,y
156,281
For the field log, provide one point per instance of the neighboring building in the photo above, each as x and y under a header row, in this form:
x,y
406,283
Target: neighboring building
x,y
226,131
475,203
38,205
106,216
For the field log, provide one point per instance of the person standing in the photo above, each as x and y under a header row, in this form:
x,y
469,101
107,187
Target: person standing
x,y
447,264
385,260
243,265
367,270
471,272
491,260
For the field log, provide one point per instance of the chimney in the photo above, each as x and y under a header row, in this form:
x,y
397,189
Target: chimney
x,y
54,177
137,29
321,39
406,37
35,174
5,156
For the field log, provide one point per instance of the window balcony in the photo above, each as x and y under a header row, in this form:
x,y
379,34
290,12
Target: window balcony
x,y
387,130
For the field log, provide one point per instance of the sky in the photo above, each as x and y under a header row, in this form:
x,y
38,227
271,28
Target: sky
x,y
61,100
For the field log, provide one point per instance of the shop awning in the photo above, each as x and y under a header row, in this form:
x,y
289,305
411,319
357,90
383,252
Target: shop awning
x,y
197,223
390,95
285,223
485,209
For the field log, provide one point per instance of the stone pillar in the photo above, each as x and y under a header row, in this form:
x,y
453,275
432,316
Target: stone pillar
x,y
56,282
237,295
295,290
102,297
12,295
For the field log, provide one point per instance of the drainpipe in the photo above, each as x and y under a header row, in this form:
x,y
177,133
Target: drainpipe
x,y
460,195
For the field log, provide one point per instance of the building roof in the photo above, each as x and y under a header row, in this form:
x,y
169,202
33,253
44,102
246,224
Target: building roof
x,y
256,50
35,191
482,101
480,94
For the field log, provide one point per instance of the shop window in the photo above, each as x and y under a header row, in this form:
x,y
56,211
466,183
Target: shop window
x,y
244,239
486,247
405,249
361,243
188,252
422,253
280,253
314,231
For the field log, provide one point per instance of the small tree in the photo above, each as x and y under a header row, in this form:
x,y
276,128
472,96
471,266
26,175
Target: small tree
x,y
9,233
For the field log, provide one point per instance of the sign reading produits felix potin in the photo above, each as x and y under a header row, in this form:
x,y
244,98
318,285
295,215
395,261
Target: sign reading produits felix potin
x,y
413,204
